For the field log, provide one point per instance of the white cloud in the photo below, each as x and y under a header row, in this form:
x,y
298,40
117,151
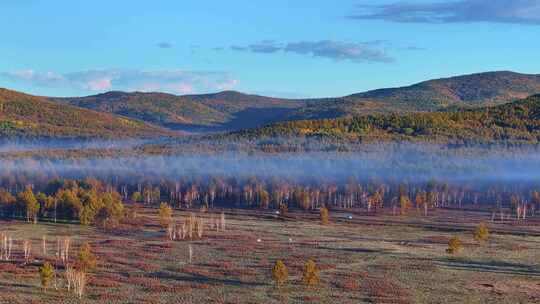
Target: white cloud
x,y
172,81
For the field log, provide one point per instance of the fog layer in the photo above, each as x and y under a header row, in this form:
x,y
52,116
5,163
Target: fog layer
x,y
407,162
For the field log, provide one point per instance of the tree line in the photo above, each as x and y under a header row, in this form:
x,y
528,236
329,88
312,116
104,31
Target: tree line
x,y
91,201
88,201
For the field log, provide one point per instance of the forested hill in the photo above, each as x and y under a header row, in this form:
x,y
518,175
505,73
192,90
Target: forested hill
x,y
27,116
120,114
475,90
231,110
226,110
514,122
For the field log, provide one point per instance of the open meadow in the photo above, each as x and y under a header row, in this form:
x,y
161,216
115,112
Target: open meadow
x,y
360,259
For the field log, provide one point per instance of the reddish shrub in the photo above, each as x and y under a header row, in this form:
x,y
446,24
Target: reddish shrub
x,y
103,282
202,286
10,268
384,291
198,272
349,284
146,267
310,299
108,296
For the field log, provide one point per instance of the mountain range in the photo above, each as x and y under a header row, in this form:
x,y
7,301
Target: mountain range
x,y
144,114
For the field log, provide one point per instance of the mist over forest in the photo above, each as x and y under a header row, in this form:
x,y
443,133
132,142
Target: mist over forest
x,y
22,145
390,162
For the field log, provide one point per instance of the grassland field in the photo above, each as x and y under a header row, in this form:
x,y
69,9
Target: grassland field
x,y
361,258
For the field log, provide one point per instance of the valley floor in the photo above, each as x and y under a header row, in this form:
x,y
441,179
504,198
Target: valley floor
x,y
366,259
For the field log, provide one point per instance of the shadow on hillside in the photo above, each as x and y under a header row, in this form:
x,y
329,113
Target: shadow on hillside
x,y
246,119
491,267
361,250
195,278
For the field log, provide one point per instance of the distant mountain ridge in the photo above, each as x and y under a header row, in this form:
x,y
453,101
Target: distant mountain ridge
x,y
230,110
220,111
121,114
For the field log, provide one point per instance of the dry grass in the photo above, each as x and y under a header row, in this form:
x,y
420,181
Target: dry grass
x,y
360,261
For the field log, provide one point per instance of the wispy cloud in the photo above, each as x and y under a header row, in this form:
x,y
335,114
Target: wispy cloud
x,y
336,50
413,48
266,47
173,81
357,52
496,11
239,48
165,45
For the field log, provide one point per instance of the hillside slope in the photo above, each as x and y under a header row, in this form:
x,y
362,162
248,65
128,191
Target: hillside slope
x,y
23,115
475,89
513,122
220,111
482,89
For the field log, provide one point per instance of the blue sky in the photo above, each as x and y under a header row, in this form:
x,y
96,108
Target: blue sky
x,y
282,48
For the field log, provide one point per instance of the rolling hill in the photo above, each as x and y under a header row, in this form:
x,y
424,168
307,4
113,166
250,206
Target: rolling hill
x,y
518,121
490,88
209,112
482,89
27,116
229,110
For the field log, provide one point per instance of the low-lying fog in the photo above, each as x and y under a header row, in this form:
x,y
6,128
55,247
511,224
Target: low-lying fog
x,y
25,146
394,162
